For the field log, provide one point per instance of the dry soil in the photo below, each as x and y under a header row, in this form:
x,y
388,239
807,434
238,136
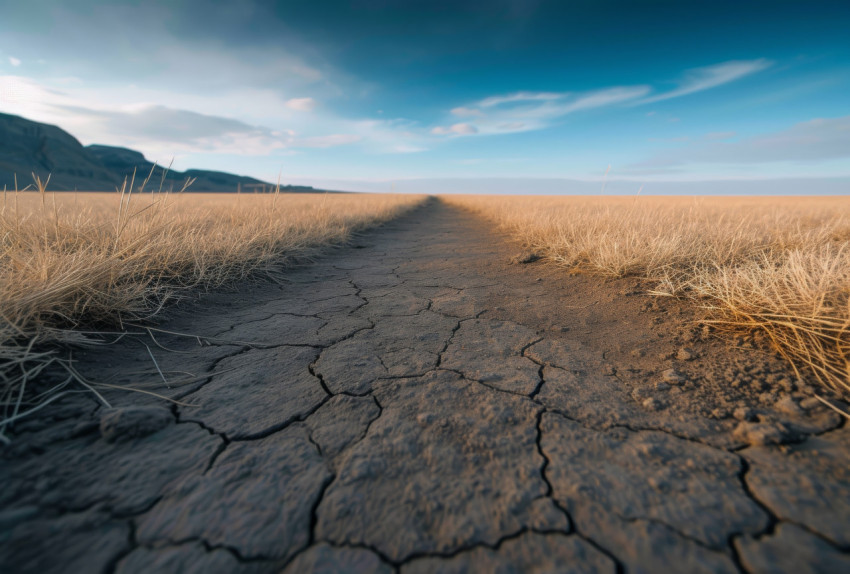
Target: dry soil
x,y
431,399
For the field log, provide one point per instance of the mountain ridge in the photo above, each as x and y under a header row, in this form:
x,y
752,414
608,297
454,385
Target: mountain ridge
x,y
28,147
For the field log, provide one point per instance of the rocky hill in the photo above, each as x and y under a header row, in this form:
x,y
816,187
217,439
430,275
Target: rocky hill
x,y
28,147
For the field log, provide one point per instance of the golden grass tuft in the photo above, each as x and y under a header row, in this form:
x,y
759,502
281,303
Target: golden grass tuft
x,y
70,261
781,265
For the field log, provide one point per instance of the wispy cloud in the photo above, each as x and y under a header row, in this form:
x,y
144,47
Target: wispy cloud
x,y
186,131
817,140
164,131
462,129
520,97
526,111
301,104
601,98
166,124
700,79
14,61
463,112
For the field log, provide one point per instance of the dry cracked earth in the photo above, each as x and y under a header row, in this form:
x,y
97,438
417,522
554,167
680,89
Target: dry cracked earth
x,y
426,401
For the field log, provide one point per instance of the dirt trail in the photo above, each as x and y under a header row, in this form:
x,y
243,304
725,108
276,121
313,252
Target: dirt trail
x,y
418,403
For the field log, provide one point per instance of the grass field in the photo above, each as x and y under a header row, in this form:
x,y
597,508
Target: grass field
x,y
75,261
781,265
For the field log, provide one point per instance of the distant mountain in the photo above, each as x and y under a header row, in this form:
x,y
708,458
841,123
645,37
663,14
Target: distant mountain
x,y
28,147
123,161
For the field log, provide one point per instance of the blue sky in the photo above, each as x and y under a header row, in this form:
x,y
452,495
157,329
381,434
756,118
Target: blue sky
x,y
378,94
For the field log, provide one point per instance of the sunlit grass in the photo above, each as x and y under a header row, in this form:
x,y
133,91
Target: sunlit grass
x,y
74,261
781,265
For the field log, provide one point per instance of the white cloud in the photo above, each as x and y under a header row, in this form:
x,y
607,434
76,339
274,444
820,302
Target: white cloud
x,y
526,111
402,148
156,130
521,97
699,79
464,129
456,129
602,98
14,61
301,104
168,124
259,121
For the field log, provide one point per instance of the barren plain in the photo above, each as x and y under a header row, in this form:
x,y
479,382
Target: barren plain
x,y
431,398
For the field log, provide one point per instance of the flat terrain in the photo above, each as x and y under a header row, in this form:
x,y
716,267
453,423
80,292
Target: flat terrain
x,y
426,401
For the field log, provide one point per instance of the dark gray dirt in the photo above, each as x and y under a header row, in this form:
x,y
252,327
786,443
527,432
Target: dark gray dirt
x,y
432,399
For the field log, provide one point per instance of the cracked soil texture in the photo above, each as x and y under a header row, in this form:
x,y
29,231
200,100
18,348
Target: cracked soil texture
x,y
424,400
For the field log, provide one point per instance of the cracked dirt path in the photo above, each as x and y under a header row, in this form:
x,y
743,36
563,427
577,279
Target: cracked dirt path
x,y
415,403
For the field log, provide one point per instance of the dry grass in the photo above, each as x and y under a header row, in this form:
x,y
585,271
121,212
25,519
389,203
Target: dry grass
x,y
781,265
72,261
